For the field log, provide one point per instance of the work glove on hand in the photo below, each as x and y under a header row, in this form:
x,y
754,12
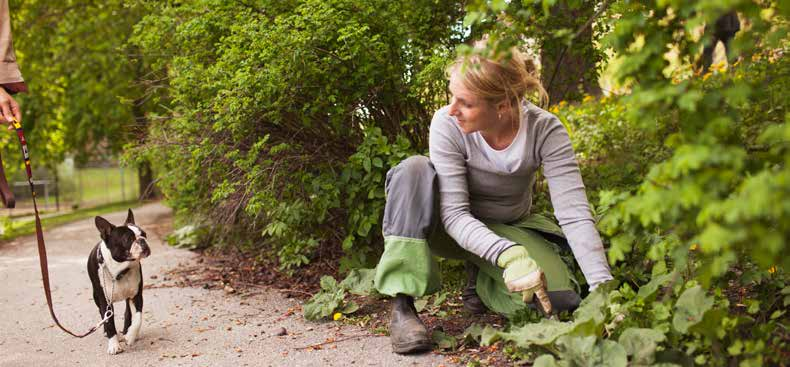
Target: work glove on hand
x,y
522,274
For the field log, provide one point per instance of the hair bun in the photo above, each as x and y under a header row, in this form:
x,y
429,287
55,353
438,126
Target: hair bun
x,y
529,66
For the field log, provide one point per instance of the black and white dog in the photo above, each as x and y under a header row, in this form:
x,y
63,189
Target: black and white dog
x,y
116,275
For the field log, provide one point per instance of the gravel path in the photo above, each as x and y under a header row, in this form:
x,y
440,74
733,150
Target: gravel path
x,y
181,326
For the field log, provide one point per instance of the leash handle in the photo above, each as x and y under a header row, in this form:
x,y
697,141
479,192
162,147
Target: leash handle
x,y
42,250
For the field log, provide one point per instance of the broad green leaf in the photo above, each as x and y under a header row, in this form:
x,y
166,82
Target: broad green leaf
x,y
323,304
328,283
439,300
592,308
654,285
544,332
350,308
359,281
546,360
490,335
473,333
640,344
587,351
420,304
443,340
691,308
611,354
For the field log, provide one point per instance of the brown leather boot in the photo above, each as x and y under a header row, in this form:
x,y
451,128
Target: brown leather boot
x,y
472,302
407,332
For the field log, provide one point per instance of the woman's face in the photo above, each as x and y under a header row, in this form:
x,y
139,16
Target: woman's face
x,y
471,112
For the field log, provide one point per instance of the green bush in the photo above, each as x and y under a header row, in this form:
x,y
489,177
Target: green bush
x,y
696,232
690,177
284,119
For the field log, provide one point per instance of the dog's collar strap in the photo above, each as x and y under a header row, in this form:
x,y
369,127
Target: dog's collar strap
x,y
103,265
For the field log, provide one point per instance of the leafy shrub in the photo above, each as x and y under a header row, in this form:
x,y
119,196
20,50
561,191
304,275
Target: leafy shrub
x,y
690,176
283,119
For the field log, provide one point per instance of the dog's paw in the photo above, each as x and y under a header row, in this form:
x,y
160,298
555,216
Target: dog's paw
x,y
113,346
121,337
130,339
134,330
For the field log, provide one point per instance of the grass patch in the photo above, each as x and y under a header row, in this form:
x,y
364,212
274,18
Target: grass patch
x,y
105,185
14,229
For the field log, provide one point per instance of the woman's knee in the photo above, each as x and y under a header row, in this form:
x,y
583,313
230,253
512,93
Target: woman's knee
x,y
415,170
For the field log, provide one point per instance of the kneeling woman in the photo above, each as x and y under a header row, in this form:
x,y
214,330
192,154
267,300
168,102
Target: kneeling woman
x,y
485,148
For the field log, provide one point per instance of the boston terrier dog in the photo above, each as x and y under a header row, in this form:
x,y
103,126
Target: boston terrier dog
x,y
115,272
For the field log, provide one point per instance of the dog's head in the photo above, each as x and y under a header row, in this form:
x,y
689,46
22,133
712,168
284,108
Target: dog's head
x,y
126,242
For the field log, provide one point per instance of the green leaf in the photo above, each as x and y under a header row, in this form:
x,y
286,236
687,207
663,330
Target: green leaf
x,y
688,101
640,344
691,308
611,354
584,351
490,335
544,332
439,300
498,5
359,281
350,308
592,307
546,360
753,306
736,348
621,245
444,341
328,283
654,285
420,304
323,304
377,162
473,333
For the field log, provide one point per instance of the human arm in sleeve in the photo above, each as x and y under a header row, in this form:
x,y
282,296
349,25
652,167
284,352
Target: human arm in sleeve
x,y
11,81
569,200
447,155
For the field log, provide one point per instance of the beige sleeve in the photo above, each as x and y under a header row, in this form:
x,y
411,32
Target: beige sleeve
x,y
9,70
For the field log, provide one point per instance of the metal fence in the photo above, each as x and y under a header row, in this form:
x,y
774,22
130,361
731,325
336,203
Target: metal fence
x,y
74,187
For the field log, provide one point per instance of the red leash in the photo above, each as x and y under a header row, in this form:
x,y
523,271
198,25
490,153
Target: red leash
x,y
42,250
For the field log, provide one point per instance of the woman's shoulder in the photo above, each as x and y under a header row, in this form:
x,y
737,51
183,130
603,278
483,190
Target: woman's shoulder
x,y
541,121
538,116
443,121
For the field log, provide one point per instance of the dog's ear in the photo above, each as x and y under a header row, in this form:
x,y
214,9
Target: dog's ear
x,y
104,227
129,218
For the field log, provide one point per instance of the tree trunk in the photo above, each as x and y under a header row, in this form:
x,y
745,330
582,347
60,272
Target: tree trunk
x,y
568,73
148,189
145,173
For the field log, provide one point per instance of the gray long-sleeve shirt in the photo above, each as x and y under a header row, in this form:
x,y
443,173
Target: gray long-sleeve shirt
x,y
472,188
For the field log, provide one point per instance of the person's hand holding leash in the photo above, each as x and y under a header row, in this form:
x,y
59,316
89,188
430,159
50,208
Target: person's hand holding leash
x,y
9,109
522,274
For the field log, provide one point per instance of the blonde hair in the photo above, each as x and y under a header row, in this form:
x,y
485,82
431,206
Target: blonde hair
x,y
507,78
